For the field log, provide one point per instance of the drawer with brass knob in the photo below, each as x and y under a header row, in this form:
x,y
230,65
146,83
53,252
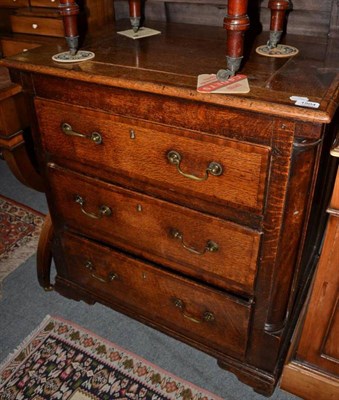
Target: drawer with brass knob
x,y
45,22
10,47
204,247
44,3
167,300
14,3
154,156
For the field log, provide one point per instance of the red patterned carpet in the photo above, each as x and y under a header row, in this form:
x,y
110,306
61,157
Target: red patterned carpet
x,y
20,227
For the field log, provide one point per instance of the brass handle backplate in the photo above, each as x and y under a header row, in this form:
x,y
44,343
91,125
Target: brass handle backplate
x,y
68,130
210,246
104,211
213,168
110,277
207,316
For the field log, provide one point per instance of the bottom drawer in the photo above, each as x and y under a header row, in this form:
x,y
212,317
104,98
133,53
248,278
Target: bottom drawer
x,y
201,314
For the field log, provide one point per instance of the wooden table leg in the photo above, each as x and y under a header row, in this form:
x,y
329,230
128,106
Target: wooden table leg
x,y
14,134
278,12
20,164
236,23
135,14
69,10
273,48
44,254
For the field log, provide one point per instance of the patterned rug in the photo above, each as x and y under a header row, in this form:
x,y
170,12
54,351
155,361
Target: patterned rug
x,y
61,360
20,227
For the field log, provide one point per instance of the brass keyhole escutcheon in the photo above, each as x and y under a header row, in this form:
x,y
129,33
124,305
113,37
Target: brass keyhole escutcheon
x,y
132,134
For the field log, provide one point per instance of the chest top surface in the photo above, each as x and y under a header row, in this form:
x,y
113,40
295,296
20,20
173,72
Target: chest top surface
x,y
169,64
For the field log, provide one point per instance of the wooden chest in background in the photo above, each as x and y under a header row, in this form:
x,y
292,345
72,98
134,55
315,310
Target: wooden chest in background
x,y
27,24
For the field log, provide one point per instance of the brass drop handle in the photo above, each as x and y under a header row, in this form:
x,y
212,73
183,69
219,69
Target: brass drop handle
x,y
213,168
68,130
104,211
207,316
111,276
210,246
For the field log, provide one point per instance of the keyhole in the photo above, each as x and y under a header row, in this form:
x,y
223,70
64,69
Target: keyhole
x,y
132,133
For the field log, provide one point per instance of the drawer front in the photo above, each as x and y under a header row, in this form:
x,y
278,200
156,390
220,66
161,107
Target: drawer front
x,y
14,3
204,315
44,3
208,248
37,26
198,165
11,47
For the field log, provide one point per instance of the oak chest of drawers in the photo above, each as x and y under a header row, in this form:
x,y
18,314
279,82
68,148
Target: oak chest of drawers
x,y
193,213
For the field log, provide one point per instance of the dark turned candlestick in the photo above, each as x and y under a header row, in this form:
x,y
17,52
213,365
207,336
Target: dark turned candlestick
x,y
236,23
278,11
69,11
135,14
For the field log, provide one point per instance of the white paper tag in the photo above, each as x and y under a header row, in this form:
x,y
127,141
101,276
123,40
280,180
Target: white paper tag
x,y
209,83
141,33
305,103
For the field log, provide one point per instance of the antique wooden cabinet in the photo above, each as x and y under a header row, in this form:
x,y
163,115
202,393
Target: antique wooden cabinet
x,y
198,214
312,372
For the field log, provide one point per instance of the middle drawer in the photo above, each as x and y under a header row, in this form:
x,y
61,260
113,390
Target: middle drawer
x,y
204,247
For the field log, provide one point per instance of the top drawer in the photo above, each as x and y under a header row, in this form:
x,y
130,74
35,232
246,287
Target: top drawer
x,y
14,3
44,3
177,160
